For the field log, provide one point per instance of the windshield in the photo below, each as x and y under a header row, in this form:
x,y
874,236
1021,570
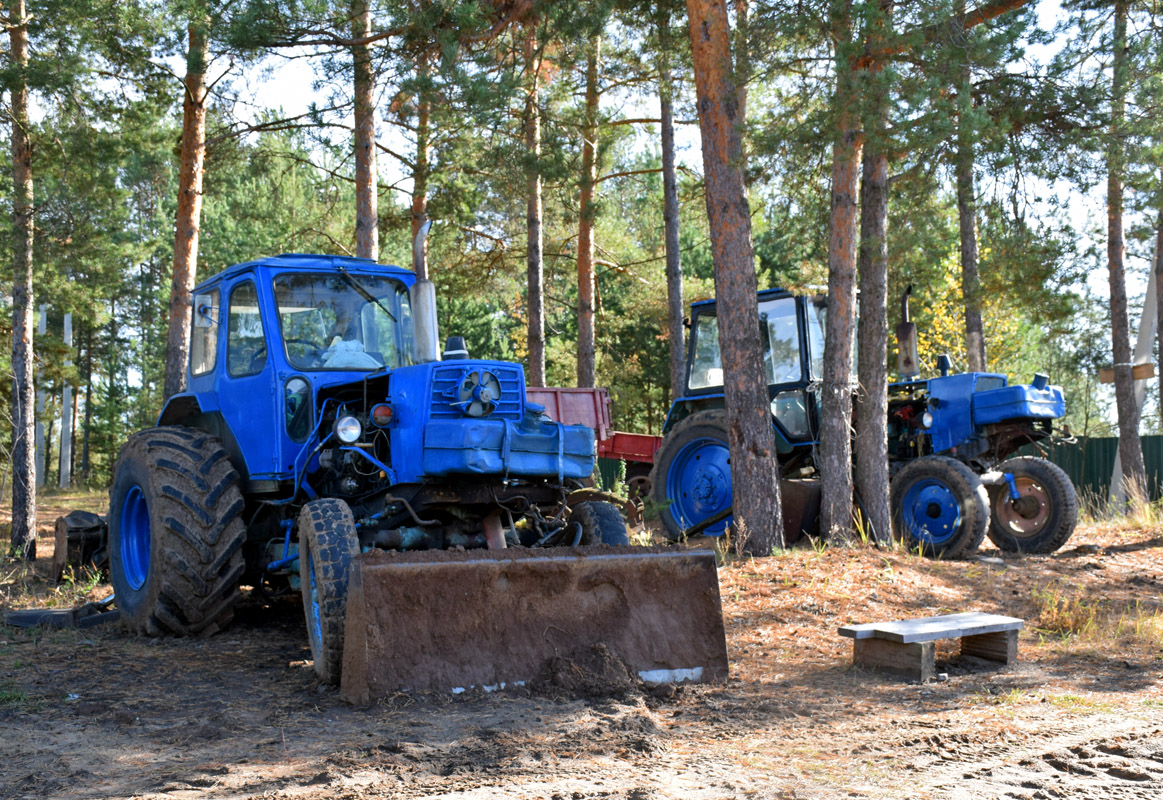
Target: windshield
x,y
341,321
781,345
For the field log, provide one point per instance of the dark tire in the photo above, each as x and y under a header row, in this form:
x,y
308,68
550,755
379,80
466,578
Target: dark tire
x,y
691,479
175,533
1045,516
327,544
939,507
601,523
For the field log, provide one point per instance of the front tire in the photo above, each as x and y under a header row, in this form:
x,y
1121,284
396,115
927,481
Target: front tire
x,y
327,544
1045,515
691,480
601,523
175,533
939,507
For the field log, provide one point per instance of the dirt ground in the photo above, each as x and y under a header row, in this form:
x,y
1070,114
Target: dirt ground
x,y
102,714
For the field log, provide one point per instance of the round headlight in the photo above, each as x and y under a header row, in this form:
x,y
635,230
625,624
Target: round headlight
x,y
927,419
348,429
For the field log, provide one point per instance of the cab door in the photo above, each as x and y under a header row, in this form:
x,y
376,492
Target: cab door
x,y
246,387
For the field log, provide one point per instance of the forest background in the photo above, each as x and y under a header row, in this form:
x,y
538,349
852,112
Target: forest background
x,y
451,112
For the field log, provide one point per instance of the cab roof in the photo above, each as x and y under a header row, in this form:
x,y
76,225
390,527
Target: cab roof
x,y
763,294
307,262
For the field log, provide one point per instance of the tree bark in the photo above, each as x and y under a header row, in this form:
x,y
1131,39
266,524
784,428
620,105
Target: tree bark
x,y
534,267
1159,302
422,168
967,207
1130,446
742,67
367,234
754,468
189,218
586,360
23,390
871,411
835,450
674,301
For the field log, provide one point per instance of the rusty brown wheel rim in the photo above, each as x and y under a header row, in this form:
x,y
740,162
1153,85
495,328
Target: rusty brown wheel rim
x,y
1027,515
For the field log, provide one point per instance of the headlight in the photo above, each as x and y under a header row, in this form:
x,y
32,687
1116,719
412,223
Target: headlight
x,y
926,419
348,429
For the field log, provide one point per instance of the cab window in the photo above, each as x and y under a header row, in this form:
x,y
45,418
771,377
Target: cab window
x,y
246,348
706,363
204,339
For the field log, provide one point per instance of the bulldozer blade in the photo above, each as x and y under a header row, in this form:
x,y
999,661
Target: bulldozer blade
x,y
454,620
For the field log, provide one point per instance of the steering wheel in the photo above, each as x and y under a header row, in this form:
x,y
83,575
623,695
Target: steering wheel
x,y
259,357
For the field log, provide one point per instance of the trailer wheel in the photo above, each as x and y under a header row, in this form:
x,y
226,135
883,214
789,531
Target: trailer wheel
x,y
327,544
601,523
175,533
1043,518
939,507
691,480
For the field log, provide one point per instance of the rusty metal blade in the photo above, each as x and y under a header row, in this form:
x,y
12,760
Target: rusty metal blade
x,y
449,621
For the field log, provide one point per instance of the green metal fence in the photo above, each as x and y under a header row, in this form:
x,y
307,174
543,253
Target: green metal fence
x,y
1090,461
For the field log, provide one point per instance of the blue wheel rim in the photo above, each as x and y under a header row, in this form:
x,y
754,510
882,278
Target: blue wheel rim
x,y
135,538
931,512
315,621
698,484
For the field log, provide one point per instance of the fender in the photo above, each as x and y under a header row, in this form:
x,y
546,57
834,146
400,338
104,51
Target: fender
x,y
200,410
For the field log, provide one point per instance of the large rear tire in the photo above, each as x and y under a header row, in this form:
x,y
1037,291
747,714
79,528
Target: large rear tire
x,y
175,533
691,480
601,523
939,507
1045,515
327,544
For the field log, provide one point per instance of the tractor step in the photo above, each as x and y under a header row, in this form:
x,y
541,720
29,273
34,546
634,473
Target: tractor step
x,y
455,620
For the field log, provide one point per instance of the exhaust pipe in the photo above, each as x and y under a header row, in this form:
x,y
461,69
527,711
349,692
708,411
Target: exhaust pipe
x,y
906,342
426,339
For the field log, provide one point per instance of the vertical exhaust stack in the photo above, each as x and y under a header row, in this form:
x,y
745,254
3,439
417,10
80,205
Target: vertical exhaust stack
x,y
423,297
906,342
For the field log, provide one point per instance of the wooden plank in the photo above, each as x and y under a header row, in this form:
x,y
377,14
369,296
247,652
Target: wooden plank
x,y
928,629
1000,646
915,660
1139,372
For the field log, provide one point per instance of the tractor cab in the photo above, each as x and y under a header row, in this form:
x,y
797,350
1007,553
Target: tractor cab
x,y
792,338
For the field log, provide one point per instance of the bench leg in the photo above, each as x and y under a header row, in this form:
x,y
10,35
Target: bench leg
x,y
914,660
1001,646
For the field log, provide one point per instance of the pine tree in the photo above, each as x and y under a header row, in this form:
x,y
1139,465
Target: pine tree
x,y
754,469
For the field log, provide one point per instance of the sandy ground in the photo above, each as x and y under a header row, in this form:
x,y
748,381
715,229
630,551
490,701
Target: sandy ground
x,y
99,713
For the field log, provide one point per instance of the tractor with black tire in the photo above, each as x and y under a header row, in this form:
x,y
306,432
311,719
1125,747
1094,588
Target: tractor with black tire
x,y
320,423
953,441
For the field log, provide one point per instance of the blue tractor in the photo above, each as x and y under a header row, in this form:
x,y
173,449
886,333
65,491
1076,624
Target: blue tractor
x,y
952,442
320,422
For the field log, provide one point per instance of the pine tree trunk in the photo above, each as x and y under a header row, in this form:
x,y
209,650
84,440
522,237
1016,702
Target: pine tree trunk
x,y
586,365
871,411
367,233
23,390
189,218
835,450
674,301
742,67
754,468
1159,302
534,268
967,216
1130,446
88,424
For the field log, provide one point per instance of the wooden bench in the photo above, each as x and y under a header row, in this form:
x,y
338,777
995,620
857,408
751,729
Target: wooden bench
x,y
906,646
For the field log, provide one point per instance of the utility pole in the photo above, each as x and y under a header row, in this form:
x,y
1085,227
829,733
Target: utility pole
x,y
66,449
1146,339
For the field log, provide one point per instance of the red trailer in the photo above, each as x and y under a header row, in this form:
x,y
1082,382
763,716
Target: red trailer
x,y
592,407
